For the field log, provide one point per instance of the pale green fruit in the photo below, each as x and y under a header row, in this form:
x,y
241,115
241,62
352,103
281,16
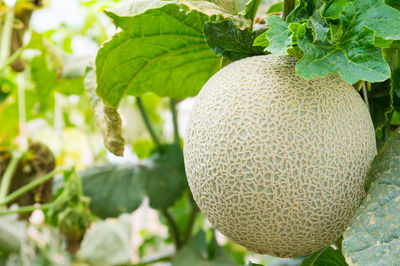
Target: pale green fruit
x,y
274,161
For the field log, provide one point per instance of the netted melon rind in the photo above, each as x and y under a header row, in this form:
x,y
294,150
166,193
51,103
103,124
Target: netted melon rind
x,y
276,162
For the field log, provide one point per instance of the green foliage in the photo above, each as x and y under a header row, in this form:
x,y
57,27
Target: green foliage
x,y
12,234
200,253
326,256
340,37
70,209
169,57
396,88
6,86
108,243
226,39
165,178
275,8
112,189
372,236
251,11
380,103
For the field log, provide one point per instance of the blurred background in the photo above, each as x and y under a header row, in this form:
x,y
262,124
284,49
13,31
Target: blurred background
x,y
62,39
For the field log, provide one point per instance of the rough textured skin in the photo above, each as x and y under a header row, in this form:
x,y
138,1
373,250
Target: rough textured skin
x,y
276,162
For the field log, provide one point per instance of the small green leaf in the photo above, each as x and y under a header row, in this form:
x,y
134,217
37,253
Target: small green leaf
x,y
373,236
279,36
333,8
261,40
160,50
44,79
113,189
327,256
275,8
251,10
226,39
380,103
164,178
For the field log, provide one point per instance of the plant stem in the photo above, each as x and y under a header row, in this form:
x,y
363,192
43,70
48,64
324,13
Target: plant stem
x,y
8,175
28,187
365,94
5,40
26,209
23,130
173,105
11,59
288,6
147,122
359,85
174,229
192,219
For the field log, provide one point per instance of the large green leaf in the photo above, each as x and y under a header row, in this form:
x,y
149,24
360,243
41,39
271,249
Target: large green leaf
x,y
341,38
226,39
108,243
165,179
328,256
160,50
373,236
380,103
113,189
354,58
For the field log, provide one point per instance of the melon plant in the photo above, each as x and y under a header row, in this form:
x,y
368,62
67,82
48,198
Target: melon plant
x,y
292,108
276,162
291,149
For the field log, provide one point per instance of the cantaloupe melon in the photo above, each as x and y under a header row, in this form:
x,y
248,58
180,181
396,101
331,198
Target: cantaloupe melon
x,y
276,162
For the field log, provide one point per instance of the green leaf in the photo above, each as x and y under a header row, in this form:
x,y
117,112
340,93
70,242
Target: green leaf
x,y
44,79
275,8
261,40
396,89
393,3
327,256
143,148
107,118
6,87
376,15
333,9
113,189
164,178
226,39
225,7
279,36
70,209
160,50
380,103
373,235
251,10
354,58
108,243
197,253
